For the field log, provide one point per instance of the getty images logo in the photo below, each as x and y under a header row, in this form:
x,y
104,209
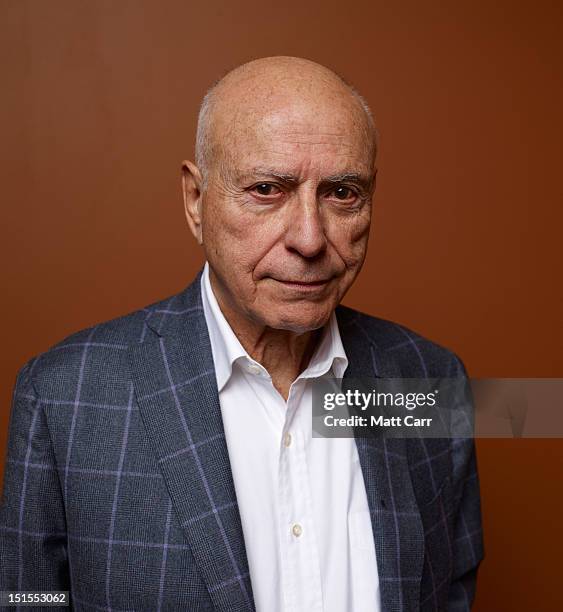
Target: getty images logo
x,y
363,401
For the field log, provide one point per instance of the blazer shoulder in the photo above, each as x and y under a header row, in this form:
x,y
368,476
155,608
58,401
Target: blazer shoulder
x,y
410,349
91,349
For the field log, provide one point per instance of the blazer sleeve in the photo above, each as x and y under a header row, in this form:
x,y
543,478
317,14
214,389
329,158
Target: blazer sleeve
x,y
468,550
33,542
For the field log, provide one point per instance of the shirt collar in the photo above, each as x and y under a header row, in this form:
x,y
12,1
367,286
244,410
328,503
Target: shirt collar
x,y
227,348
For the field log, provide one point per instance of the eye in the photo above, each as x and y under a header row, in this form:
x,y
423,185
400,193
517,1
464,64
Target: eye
x,y
344,193
265,189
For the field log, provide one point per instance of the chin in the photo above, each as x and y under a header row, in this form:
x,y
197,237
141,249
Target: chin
x,y
298,322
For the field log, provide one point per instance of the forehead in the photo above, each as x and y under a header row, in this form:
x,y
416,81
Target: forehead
x,y
298,138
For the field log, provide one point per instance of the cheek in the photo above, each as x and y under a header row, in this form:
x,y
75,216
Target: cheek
x,y
234,238
350,238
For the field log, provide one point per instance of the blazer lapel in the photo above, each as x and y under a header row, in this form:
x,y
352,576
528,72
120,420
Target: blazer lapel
x,y
175,385
397,527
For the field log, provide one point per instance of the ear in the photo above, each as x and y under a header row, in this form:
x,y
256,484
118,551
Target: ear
x,y
191,190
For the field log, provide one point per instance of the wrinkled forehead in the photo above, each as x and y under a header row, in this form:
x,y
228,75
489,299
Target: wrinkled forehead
x,y
326,136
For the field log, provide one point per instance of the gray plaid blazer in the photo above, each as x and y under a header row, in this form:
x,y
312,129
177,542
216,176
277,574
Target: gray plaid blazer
x,y
118,485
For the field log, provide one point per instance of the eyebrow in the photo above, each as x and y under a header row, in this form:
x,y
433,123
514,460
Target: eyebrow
x,y
358,178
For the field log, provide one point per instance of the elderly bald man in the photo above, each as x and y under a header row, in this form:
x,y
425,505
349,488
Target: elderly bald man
x,y
164,460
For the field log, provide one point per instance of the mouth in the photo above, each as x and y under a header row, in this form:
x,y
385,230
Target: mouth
x,y
303,286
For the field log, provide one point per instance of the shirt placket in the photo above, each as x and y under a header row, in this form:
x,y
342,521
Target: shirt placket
x,y
301,576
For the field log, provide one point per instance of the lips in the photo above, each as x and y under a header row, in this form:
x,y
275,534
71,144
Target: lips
x,y
304,283
301,286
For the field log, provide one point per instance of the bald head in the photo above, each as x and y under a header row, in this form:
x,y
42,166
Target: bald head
x,y
257,93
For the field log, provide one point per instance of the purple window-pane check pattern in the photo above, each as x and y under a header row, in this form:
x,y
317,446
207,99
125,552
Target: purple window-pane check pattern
x,y
118,483
112,562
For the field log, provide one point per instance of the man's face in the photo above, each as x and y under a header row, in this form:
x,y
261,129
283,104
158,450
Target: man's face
x,y
286,216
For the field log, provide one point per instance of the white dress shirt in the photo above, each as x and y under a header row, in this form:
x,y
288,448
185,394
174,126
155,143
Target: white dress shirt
x,y
302,500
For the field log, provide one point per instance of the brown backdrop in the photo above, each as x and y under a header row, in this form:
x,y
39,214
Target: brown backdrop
x,y
97,109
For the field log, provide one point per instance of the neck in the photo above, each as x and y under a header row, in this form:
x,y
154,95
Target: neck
x,y
284,354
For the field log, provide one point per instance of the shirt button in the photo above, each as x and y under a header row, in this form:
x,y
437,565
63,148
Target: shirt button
x,y
254,369
297,530
287,439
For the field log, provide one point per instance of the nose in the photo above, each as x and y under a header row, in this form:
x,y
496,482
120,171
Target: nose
x,y
305,233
